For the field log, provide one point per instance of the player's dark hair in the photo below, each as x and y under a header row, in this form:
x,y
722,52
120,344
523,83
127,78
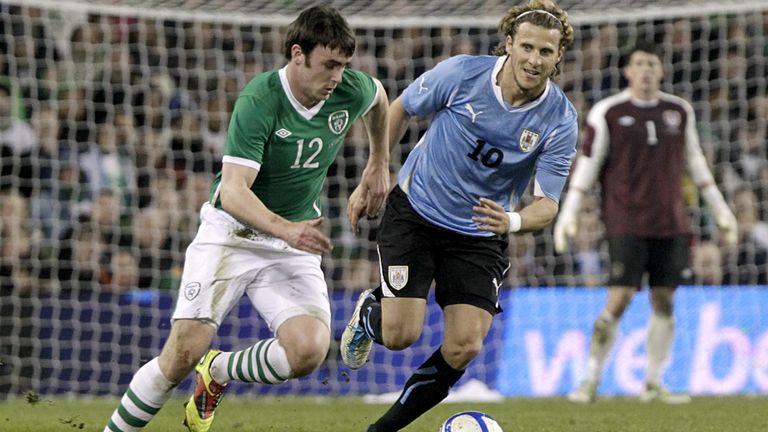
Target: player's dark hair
x,y
320,25
646,46
543,13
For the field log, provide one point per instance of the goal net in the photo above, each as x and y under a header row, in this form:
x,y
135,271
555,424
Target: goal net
x,y
113,122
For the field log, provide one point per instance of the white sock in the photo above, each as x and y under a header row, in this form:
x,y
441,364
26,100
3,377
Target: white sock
x,y
603,335
661,333
265,363
148,391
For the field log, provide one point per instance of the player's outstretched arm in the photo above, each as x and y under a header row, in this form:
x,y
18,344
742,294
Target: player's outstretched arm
x,y
238,200
368,198
724,217
398,122
491,216
702,176
567,222
582,179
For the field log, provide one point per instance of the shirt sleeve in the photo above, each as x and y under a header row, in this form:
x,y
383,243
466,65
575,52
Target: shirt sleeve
x,y
554,163
434,89
698,166
595,146
365,86
248,133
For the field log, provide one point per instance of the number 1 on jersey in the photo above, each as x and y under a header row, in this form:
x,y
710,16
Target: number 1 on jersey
x,y
650,129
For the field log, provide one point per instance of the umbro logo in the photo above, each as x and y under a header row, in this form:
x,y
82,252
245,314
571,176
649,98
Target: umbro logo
x,y
626,121
283,133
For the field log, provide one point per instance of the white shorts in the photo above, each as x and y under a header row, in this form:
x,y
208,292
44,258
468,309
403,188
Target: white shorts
x,y
227,259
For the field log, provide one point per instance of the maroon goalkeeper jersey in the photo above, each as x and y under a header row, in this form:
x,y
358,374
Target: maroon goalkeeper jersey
x,y
642,146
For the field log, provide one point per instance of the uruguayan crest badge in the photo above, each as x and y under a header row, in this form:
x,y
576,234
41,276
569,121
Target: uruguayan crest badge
x,y
528,140
398,276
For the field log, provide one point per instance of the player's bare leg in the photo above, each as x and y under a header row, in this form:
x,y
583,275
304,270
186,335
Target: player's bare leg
x,y
306,341
300,347
603,336
465,328
153,383
401,321
661,334
187,343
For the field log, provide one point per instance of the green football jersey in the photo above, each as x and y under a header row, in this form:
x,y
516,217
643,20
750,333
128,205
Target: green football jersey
x,y
290,145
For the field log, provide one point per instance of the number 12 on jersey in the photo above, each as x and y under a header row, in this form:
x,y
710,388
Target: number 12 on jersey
x,y
310,162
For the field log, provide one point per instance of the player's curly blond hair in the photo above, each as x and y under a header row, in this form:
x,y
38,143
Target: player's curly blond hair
x,y
544,13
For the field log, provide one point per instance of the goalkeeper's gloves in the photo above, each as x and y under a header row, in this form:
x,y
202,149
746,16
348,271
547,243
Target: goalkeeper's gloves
x,y
726,221
567,221
724,217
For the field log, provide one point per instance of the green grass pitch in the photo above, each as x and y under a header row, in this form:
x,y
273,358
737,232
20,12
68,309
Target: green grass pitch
x,y
294,414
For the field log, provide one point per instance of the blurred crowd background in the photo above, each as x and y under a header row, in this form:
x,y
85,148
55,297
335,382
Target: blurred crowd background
x,y
112,127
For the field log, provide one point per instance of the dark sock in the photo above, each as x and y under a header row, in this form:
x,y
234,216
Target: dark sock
x,y
370,318
425,388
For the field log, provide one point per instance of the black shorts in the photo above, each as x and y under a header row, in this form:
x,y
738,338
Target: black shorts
x,y
413,252
664,259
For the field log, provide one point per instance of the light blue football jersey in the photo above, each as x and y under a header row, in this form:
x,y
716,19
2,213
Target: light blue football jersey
x,y
477,145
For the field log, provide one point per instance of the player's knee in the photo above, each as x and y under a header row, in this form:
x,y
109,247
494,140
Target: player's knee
x,y
662,300
604,329
601,325
400,338
663,306
459,354
305,358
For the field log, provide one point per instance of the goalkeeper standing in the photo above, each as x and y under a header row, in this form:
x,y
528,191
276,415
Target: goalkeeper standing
x,y
638,143
260,232
497,120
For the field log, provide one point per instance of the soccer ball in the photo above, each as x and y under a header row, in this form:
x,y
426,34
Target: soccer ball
x,y
470,421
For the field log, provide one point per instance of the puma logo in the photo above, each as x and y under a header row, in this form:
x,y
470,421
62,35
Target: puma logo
x,y
497,284
421,86
472,112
